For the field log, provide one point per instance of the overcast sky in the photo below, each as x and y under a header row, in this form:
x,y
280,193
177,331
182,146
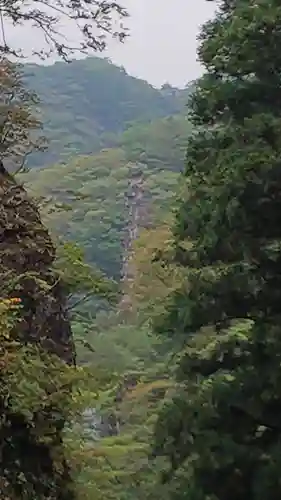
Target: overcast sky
x,y
162,44
162,47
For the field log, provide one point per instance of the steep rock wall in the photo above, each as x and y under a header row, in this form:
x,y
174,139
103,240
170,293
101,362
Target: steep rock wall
x,y
26,258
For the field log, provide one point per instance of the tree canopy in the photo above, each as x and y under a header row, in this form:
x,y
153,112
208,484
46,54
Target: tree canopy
x,y
221,429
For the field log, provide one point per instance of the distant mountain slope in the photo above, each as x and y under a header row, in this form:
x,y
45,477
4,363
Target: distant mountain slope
x,y
160,144
85,103
95,186
100,122
99,214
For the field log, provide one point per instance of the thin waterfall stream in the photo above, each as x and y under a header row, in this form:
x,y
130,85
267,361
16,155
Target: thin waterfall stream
x,y
94,426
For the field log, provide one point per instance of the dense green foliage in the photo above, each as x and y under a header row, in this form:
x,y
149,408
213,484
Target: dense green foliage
x,y
160,144
129,364
95,187
221,429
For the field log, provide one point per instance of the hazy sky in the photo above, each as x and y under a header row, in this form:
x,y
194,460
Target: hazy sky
x,y
162,44
162,47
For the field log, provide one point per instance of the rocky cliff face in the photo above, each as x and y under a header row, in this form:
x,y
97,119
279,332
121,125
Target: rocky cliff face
x,y
26,258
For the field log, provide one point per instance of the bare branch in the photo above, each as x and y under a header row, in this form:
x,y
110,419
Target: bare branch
x,y
91,21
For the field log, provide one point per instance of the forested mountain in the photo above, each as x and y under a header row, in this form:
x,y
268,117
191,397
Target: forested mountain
x,y
85,103
89,104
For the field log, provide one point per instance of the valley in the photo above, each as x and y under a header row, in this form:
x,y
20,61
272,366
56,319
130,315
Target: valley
x,y
140,257
111,172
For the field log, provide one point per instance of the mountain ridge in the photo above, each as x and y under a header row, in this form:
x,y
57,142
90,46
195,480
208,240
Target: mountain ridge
x,y
86,103
94,183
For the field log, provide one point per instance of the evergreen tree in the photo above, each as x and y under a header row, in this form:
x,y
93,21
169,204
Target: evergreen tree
x,y
222,429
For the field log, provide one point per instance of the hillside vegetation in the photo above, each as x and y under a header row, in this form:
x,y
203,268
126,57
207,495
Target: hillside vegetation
x,y
85,106
86,103
94,189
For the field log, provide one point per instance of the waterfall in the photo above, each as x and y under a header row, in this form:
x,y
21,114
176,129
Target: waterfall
x,y
94,426
136,216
